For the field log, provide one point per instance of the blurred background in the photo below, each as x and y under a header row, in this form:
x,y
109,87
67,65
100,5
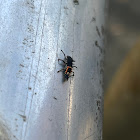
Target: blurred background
x,y
122,71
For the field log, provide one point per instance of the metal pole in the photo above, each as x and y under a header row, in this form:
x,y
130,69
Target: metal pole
x,y
35,104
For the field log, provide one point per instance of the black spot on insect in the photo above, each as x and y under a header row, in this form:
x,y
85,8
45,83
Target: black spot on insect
x,y
68,65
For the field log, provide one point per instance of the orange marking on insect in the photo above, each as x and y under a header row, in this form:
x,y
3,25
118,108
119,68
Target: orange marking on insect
x,y
68,67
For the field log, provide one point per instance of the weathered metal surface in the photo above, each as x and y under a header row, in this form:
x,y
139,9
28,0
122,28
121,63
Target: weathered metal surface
x,y
34,102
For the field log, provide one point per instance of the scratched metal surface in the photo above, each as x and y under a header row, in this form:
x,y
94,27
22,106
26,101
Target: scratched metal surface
x,y
34,102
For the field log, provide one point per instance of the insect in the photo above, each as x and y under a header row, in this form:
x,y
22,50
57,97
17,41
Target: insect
x,y
68,61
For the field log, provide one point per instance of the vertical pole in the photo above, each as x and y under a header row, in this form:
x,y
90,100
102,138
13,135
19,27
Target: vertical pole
x,y
35,103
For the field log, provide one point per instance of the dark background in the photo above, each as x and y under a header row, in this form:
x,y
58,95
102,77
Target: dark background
x,y
123,31
122,71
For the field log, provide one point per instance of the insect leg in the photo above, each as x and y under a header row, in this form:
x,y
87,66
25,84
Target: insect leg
x,y
63,53
60,70
74,66
73,74
61,60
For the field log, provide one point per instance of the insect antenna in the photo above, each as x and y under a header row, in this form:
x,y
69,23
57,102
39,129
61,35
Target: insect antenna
x,y
63,53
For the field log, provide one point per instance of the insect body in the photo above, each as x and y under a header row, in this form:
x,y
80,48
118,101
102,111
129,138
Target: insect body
x,y
68,66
